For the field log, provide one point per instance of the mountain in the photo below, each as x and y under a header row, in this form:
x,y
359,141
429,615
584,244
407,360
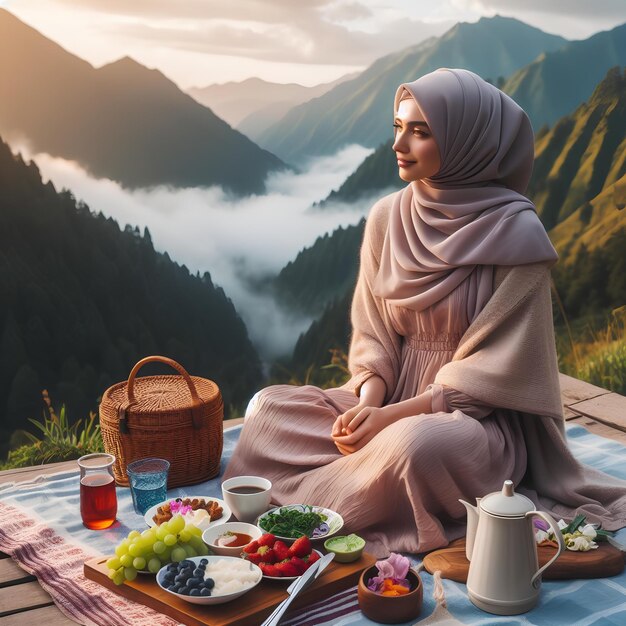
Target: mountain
x,y
81,301
241,104
583,153
360,110
122,121
558,81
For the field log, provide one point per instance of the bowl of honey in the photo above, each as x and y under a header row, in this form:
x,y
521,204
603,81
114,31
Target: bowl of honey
x,y
231,538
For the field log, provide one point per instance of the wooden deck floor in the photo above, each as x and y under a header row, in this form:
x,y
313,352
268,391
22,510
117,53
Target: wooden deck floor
x,y
24,603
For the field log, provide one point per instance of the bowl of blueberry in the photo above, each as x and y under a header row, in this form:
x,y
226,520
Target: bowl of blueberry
x,y
209,579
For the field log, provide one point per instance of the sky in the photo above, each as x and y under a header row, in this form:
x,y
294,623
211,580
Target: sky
x,y
202,42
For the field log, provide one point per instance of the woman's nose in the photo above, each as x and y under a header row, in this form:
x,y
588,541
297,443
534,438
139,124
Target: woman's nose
x,y
399,145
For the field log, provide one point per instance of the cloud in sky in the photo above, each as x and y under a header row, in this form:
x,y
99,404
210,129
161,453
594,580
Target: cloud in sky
x,y
572,8
202,42
236,241
198,42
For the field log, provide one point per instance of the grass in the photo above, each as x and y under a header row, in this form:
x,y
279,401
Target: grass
x,y
597,355
58,440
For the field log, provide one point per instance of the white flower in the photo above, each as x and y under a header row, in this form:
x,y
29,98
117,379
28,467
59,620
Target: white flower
x,y
540,535
581,544
589,531
561,524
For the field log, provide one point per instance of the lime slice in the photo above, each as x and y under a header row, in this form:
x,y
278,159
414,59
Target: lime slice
x,y
349,543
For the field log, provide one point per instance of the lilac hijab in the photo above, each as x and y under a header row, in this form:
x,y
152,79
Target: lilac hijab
x,y
471,215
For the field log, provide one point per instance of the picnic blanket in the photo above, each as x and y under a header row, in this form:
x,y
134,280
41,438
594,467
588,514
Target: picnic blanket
x,y
40,527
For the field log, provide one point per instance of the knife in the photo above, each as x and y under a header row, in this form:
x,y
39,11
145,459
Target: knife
x,y
297,586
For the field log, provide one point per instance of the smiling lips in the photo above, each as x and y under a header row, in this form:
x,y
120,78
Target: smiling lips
x,y
405,163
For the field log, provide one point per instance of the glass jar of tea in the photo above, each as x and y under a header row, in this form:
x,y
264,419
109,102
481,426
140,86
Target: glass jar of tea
x,y
98,500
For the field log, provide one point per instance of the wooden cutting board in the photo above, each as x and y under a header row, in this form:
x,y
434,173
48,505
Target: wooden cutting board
x,y
248,610
600,563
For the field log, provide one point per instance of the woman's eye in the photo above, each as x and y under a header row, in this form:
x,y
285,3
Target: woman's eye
x,y
420,133
396,128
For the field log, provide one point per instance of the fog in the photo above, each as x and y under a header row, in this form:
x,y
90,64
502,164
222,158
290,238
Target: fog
x,y
234,240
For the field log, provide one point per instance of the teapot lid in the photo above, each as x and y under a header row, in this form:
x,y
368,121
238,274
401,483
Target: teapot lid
x,y
507,503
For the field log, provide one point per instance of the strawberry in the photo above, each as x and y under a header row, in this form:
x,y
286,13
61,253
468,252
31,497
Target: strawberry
x,y
314,556
299,564
251,547
269,570
267,554
301,547
281,550
286,568
267,540
255,558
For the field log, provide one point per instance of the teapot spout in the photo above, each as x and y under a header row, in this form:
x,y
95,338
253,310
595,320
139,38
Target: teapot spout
x,y
472,524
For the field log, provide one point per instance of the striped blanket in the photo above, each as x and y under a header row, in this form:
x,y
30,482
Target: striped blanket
x,y
40,528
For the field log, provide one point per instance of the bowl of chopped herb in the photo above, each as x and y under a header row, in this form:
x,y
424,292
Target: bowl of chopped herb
x,y
297,520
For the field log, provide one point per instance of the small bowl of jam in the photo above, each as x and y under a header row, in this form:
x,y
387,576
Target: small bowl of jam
x,y
231,538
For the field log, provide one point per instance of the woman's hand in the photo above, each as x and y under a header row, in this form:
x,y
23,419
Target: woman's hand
x,y
342,421
362,424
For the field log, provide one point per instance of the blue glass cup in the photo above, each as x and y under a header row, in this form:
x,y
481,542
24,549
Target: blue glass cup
x,y
148,482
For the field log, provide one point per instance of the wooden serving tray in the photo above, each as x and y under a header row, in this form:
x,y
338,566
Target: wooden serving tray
x,y
600,563
248,610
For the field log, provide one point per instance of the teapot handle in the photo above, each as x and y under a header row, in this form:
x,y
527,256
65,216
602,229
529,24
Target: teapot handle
x,y
535,581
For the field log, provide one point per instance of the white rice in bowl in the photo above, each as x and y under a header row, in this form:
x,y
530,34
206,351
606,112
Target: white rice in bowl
x,y
231,576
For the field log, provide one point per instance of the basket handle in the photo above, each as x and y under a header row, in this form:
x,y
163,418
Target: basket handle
x,y
196,409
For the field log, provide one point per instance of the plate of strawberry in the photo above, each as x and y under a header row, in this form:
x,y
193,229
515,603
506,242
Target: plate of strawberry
x,y
277,560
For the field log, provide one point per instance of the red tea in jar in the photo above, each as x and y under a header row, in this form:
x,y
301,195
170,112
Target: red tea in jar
x,y
98,500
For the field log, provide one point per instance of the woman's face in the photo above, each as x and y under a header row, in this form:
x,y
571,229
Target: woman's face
x,y
414,145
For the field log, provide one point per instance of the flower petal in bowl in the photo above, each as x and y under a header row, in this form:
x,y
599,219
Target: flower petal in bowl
x,y
331,523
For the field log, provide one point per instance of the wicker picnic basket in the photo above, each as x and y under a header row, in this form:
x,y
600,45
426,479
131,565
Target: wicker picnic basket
x,y
173,417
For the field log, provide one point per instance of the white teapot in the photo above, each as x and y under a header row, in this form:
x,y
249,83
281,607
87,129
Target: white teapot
x,y
504,575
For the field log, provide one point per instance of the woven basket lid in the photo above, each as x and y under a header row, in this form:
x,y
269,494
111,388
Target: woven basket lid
x,y
156,394
162,393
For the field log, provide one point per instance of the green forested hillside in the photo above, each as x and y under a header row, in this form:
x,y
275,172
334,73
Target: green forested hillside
x,y
81,301
121,121
321,273
359,111
583,153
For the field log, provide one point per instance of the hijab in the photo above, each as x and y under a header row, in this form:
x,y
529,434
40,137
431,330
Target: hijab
x,y
472,214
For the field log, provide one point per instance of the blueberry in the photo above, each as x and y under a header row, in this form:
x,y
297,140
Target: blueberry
x,y
209,583
198,572
205,592
184,590
194,592
172,566
204,561
187,563
180,578
173,588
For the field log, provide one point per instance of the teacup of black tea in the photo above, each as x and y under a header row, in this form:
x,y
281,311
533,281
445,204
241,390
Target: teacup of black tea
x,y
247,496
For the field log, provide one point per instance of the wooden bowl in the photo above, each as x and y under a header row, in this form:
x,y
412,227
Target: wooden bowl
x,y
390,609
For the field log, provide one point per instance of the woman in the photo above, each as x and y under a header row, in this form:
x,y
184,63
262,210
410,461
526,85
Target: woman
x,y
454,382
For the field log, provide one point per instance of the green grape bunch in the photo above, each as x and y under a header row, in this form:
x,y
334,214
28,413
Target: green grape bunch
x,y
171,542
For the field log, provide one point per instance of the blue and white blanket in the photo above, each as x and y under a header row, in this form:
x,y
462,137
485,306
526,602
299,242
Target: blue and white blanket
x,y
598,602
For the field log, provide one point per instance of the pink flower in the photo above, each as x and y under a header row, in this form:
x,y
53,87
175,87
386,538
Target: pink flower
x,y
177,507
395,567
